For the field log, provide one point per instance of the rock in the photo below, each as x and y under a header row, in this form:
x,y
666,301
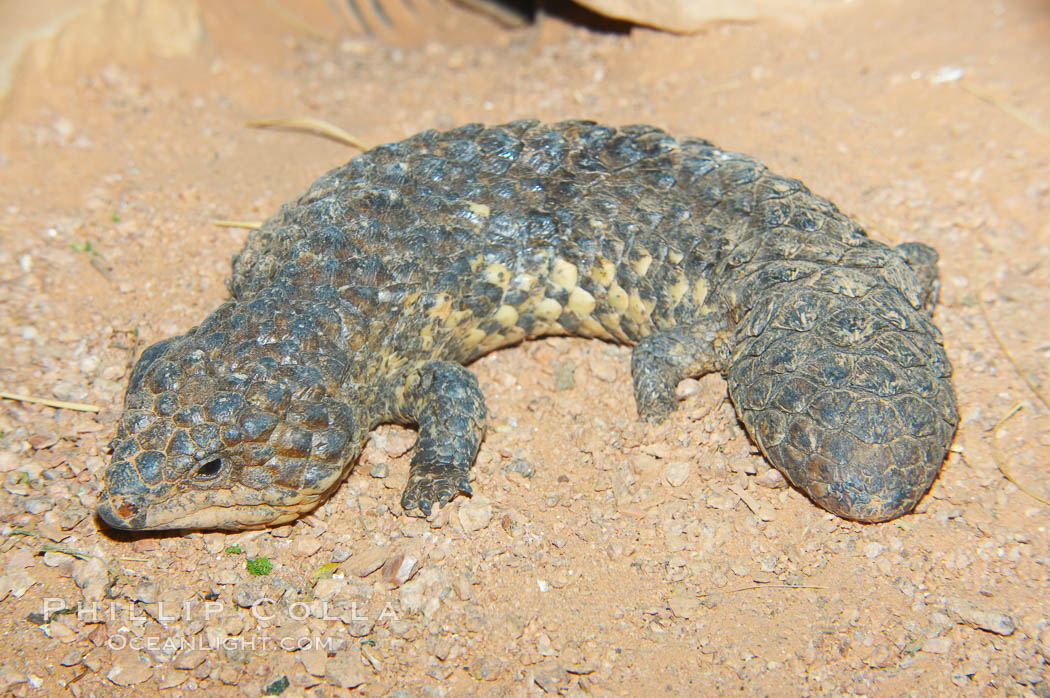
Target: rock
x,y
247,596
645,466
172,678
400,568
190,660
59,630
145,591
520,466
687,388
461,586
544,645
42,441
129,672
92,578
395,442
412,596
676,473
564,374
475,513
314,661
229,675
484,668
551,676
307,545
344,670
684,605
772,479
604,369
276,687
1044,643
937,645
367,562
967,613
721,502
328,587
37,505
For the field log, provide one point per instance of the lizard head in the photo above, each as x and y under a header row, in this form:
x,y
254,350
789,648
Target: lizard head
x,y
222,429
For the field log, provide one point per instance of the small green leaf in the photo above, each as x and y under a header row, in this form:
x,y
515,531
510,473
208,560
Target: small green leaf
x,y
259,566
234,550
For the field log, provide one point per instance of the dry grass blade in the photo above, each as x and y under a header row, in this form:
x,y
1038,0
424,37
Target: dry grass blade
x,y
115,574
306,124
998,340
1010,110
999,461
223,223
754,587
60,404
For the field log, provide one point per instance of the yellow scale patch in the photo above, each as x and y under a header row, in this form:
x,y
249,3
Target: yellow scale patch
x,y
442,306
642,264
676,291
564,274
603,271
477,209
426,338
580,302
547,310
617,298
639,310
497,275
506,315
473,338
699,292
457,318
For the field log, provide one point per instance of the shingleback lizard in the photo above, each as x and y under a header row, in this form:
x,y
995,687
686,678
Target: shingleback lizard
x,y
359,303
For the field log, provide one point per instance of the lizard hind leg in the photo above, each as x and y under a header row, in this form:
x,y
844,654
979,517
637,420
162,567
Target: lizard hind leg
x,y
444,400
663,359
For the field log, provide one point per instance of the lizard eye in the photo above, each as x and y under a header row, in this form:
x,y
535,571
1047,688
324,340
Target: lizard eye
x,y
209,469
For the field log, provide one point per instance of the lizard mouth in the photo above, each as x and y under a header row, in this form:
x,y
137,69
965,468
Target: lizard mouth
x,y
189,511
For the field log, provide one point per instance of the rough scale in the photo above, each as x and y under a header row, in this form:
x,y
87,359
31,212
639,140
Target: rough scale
x,y
358,305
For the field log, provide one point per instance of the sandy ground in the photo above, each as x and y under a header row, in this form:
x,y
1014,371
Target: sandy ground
x,y
600,556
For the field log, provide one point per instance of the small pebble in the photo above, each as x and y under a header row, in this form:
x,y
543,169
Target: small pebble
x,y
129,672
520,466
969,614
676,473
344,671
400,568
564,374
772,479
307,545
314,660
367,562
475,513
687,388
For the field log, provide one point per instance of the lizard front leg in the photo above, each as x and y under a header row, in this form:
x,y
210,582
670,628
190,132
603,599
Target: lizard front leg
x,y
444,400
